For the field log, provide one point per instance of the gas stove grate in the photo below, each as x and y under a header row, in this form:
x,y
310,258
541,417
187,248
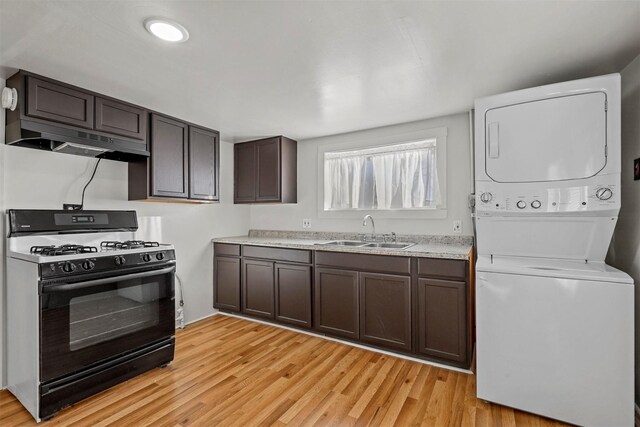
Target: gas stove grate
x,y
128,244
53,250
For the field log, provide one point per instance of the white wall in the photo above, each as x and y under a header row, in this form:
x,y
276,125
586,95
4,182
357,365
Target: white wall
x,y
625,248
45,180
289,217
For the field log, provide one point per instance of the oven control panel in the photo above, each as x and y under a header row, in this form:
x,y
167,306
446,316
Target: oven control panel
x,y
104,262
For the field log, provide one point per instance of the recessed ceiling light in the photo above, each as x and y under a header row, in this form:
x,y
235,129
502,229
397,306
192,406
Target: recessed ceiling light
x,y
166,29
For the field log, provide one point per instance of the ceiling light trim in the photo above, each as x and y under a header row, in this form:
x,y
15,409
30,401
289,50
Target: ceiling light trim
x,y
166,30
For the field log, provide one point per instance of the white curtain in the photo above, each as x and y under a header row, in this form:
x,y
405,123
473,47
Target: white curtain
x,y
402,176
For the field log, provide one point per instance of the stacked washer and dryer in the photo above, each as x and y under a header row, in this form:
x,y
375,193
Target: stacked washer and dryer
x,y
554,322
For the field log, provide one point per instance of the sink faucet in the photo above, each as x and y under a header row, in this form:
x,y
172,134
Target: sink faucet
x,y
373,225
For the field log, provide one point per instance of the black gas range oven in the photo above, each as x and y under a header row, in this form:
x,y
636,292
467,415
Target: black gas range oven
x,y
88,306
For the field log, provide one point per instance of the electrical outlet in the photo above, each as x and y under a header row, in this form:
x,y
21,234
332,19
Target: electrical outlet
x,y
457,226
306,223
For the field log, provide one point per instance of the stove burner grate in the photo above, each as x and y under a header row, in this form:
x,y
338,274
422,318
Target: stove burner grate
x,y
129,244
53,250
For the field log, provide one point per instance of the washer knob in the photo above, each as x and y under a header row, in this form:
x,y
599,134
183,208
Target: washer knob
x,y
536,204
88,265
521,204
486,197
119,260
146,257
68,267
604,193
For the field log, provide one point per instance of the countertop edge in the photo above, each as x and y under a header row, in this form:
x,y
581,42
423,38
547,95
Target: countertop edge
x,y
465,249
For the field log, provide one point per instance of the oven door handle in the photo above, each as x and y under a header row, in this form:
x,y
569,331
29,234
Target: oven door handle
x,y
65,287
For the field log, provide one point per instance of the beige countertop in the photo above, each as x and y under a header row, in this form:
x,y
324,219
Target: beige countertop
x,y
449,247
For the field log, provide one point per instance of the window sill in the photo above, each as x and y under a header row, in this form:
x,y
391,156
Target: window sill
x,y
385,214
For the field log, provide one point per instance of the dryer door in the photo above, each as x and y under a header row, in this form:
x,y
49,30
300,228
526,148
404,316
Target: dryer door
x,y
552,139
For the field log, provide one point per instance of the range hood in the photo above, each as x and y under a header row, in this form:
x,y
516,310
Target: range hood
x,y
61,139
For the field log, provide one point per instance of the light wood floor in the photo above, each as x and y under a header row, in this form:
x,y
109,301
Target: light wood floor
x,y
230,371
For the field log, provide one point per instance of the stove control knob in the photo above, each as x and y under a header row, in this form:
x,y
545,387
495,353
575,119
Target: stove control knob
x,y
604,193
146,257
88,265
68,267
536,204
119,260
159,256
486,197
521,204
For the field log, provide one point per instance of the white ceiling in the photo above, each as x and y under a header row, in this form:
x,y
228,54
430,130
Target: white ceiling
x,y
313,68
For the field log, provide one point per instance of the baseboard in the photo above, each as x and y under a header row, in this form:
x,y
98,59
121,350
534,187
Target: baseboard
x,y
352,344
200,318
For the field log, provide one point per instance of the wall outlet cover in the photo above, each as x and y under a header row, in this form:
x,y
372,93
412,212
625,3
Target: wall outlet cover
x,y
306,223
457,226
636,169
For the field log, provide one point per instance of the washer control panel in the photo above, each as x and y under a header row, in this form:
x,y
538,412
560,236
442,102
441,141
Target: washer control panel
x,y
552,199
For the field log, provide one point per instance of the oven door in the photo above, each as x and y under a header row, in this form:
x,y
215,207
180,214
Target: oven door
x,y
86,322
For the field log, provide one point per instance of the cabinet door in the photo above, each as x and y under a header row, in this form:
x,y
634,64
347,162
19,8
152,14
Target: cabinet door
x,y
244,173
169,157
268,178
336,302
51,101
293,294
226,283
121,119
257,288
442,330
385,310
204,164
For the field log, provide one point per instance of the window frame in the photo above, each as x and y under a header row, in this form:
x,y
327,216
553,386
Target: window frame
x,y
363,142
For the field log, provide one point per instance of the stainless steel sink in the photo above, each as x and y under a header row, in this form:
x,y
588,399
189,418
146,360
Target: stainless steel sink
x,y
398,245
358,244
353,243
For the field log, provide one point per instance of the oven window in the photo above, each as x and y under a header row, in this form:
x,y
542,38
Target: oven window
x,y
107,315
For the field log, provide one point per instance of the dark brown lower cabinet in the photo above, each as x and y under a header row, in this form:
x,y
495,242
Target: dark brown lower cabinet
x,y
442,317
257,288
385,310
293,294
336,302
226,288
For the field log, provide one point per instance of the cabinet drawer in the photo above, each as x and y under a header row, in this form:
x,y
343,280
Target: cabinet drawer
x,y
121,119
442,267
375,263
277,254
51,101
226,249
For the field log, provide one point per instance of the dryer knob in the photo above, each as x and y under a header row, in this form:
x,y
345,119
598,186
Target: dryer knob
x,y
486,197
521,204
536,204
604,193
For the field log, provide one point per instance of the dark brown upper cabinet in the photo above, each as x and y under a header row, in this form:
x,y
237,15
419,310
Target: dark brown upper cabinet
x,y
120,118
59,102
169,157
265,171
51,115
184,163
204,162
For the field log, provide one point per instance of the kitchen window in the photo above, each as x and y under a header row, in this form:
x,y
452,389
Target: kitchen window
x,y
400,176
